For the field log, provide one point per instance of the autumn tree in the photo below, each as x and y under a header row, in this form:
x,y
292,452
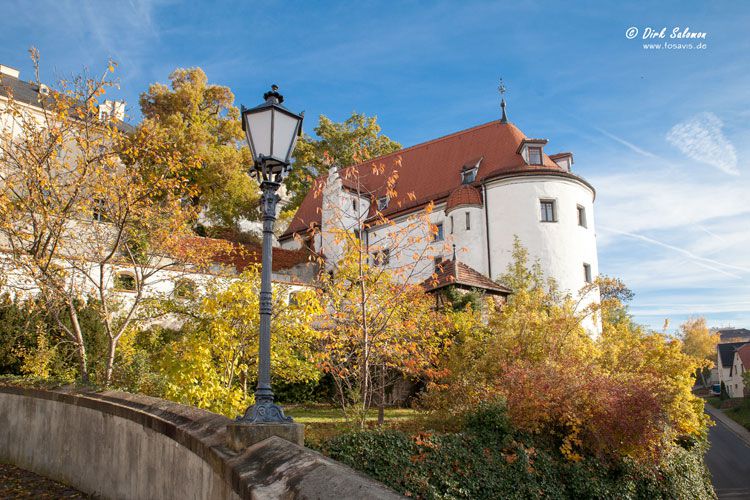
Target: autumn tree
x,y
200,125
213,364
355,140
626,393
379,325
90,210
699,342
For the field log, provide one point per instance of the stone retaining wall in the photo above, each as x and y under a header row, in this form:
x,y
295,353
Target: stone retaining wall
x,y
124,446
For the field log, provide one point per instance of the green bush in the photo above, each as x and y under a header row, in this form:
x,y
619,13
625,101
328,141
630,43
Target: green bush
x,y
488,460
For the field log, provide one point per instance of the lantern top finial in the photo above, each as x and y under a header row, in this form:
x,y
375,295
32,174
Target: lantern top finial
x,y
273,96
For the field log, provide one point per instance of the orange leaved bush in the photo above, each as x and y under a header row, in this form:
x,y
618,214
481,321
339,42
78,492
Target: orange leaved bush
x,y
625,393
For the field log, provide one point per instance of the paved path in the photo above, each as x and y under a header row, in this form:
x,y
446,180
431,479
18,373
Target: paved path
x,y
728,459
20,483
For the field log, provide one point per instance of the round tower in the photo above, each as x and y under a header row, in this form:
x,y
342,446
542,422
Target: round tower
x,y
464,212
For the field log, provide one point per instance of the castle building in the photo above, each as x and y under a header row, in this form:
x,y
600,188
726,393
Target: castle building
x,y
480,188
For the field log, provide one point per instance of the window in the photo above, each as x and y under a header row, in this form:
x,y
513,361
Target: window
x,y
354,204
469,175
125,282
381,257
294,298
581,216
185,289
438,265
98,210
548,211
357,234
468,221
587,273
451,224
439,235
383,202
535,155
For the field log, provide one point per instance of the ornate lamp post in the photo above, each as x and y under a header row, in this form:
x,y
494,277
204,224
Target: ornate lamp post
x,y
272,132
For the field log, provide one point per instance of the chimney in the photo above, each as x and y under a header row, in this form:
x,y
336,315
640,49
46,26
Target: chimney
x,y
115,109
7,70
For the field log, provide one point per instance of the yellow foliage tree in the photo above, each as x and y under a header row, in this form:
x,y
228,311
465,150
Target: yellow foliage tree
x,y
214,364
699,342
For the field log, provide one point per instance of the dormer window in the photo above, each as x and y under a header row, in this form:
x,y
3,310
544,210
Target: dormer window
x,y
563,160
535,155
531,150
383,202
469,170
468,176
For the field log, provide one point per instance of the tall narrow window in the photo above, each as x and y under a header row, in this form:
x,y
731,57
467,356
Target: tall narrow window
x,y
535,156
587,273
452,224
98,210
468,221
354,204
439,235
582,216
548,210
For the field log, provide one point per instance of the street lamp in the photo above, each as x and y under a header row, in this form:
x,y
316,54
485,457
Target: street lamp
x,y
272,132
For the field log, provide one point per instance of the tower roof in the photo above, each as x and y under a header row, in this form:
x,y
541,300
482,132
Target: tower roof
x,y
464,195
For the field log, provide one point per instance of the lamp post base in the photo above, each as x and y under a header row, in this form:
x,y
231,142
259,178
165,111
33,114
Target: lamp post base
x,y
242,435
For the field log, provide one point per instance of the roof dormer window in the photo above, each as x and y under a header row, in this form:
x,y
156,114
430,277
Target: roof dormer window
x,y
531,150
535,155
468,176
469,170
563,160
383,202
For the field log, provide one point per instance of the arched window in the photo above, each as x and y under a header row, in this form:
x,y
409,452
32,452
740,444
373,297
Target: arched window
x,y
125,282
185,288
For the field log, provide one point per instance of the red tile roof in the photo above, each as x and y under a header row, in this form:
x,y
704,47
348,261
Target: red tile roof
x,y
432,170
241,255
459,274
464,195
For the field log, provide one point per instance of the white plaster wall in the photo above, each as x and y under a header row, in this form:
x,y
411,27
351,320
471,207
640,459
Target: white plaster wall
x,y
409,236
471,244
338,212
561,247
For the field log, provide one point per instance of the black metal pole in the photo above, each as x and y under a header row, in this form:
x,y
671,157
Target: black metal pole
x,y
264,409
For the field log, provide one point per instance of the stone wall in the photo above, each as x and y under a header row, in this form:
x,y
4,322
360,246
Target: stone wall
x,y
118,445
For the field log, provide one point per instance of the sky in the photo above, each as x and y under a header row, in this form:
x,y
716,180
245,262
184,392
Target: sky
x,y
662,134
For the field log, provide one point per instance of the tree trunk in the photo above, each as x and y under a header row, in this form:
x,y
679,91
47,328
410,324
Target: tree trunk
x,y
381,406
110,361
80,345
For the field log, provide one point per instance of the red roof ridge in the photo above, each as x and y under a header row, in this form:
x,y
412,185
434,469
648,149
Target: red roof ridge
x,y
432,141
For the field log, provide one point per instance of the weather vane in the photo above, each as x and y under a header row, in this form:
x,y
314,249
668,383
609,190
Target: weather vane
x,y
501,89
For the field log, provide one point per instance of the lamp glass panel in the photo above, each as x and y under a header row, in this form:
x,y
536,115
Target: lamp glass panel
x,y
258,127
284,135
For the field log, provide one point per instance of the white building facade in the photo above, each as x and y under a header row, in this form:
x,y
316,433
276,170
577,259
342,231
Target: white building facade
x,y
480,189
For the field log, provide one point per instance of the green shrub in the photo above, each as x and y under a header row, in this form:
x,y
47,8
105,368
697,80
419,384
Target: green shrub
x,y
488,460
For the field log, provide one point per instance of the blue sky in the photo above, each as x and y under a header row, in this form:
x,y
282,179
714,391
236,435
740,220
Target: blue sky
x,y
662,134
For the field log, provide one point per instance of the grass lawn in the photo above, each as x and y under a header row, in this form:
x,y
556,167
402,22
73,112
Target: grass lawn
x,y
740,413
324,421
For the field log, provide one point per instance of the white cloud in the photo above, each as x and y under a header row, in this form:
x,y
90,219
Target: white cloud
x,y
701,138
